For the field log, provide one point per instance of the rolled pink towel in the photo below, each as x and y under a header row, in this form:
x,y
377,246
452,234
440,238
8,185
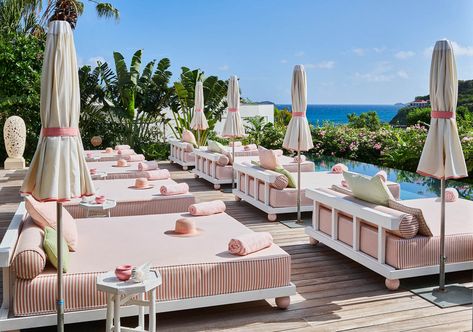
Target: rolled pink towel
x,y
174,189
236,144
126,152
278,152
296,158
122,147
207,208
382,175
157,174
250,147
451,195
339,168
248,243
148,165
134,157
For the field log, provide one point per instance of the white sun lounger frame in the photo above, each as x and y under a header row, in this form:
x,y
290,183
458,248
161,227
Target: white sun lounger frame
x,y
9,322
177,152
266,177
383,221
206,168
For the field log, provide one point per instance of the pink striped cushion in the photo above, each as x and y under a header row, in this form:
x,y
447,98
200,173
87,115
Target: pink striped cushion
x,y
281,182
29,259
423,227
223,160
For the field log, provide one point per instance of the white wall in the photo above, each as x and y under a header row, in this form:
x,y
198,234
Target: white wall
x,y
246,110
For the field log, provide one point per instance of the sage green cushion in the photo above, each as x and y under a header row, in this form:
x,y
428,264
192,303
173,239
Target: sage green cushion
x,y
50,247
291,182
367,188
215,146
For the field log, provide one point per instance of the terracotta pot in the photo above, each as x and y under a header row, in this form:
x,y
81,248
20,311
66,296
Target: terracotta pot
x,y
96,141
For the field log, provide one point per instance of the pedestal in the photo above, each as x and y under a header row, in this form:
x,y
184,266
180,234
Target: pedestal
x,y
14,163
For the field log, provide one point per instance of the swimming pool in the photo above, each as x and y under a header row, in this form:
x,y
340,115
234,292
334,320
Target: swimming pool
x,y
413,185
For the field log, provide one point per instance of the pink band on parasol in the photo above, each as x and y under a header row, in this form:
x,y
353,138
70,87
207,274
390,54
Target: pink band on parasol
x,y
442,115
298,114
233,110
198,110
54,132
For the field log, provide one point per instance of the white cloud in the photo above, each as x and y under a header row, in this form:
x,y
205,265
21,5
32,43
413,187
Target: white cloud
x,y
379,49
458,49
283,61
92,61
404,54
321,65
382,72
299,54
403,74
359,51
462,50
224,68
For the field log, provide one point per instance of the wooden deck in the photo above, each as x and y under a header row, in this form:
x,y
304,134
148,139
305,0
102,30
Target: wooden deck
x,y
333,292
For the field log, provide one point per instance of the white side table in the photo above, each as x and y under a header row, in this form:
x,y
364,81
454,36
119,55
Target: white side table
x,y
100,209
115,289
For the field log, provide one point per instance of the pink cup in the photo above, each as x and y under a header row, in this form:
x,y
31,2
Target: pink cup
x,y
123,272
100,199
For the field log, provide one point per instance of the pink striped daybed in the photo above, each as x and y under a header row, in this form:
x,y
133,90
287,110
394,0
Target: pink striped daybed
x,y
275,201
101,155
192,278
393,241
207,166
113,172
131,202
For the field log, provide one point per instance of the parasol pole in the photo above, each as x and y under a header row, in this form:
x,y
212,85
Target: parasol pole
x,y
443,259
299,218
60,299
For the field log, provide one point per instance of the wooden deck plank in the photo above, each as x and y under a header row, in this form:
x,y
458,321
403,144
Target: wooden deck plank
x,y
334,293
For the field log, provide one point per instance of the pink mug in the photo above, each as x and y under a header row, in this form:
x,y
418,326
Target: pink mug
x,y
100,199
123,272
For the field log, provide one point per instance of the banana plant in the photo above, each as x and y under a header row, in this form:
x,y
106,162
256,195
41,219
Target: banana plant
x,y
133,100
215,91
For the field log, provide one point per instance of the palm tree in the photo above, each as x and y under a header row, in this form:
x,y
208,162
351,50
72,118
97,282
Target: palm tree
x,y
69,10
32,16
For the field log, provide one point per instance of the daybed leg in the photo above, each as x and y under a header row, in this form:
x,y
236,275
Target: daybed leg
x,y
216,186
185,168
313,242
237,198
272,217
283,302
392,284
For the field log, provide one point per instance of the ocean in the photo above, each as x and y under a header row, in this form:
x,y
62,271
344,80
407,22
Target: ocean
x,y
338,113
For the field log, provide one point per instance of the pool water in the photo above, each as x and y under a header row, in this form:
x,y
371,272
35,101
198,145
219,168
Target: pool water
x,y
413,185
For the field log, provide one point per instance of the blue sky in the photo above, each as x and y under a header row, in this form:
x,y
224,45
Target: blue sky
x,y
354,51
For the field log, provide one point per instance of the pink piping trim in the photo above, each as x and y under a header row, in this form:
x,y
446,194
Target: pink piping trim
x,y
55,132
198,110
438,177
50,199
442,115
233,110
297,114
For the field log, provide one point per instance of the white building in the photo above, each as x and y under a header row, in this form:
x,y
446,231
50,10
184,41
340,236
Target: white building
x,y
419,103
246,111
